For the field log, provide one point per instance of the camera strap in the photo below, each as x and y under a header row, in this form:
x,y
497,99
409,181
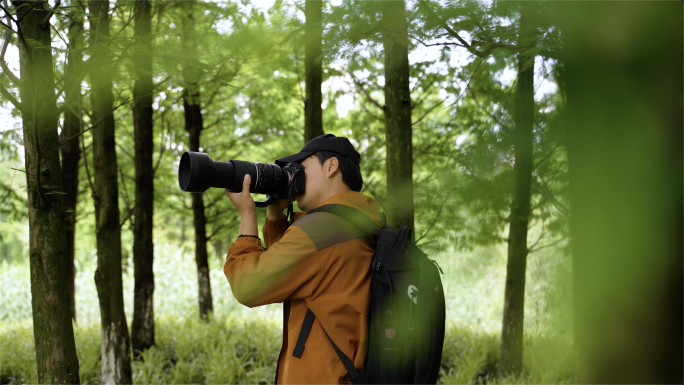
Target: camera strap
x,y
290,206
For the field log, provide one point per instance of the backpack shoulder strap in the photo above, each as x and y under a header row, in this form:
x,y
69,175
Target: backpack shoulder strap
x,y
354,374
304,333
351,215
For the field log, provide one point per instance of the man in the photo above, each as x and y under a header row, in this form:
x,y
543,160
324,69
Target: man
x,y
321,263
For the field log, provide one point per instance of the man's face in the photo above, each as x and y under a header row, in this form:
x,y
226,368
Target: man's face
x,y
316,183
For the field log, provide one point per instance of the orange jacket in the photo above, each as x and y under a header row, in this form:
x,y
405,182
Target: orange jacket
x,y
321,262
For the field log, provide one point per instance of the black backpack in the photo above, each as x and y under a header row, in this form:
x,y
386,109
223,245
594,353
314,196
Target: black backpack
x,y
407,311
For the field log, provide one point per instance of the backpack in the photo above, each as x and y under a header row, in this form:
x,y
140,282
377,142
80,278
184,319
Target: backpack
x,y
407,309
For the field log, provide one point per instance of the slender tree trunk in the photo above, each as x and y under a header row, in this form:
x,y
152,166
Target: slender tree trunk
x,y
71,152
142,335
56,359
116,345
398,134
624,127
313,63
511,349
194,126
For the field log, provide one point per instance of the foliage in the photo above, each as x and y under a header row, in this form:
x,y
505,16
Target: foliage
x,y
240,345
248,64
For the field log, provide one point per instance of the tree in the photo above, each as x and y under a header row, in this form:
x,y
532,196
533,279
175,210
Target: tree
x,y
398,134
527,182
142,333
194,126
624,124
71,152
56,359
313,114
116,349
511,350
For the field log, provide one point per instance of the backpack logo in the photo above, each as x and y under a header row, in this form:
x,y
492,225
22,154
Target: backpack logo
x,y
413,294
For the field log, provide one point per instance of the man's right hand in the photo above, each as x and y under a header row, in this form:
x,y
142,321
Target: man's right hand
x,y
275,212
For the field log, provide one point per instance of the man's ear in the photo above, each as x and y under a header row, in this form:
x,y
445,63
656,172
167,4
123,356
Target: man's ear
x,y
333,164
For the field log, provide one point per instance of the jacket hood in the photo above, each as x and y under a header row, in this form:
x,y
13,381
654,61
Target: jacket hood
x,y
358,201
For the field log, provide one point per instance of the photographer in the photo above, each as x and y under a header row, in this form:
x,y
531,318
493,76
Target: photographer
x,y
321,262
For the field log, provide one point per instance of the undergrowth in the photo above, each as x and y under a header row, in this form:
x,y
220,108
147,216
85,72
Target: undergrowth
x,y
236,350
241,345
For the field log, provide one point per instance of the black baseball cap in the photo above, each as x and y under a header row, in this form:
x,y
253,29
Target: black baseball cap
x,y
325,142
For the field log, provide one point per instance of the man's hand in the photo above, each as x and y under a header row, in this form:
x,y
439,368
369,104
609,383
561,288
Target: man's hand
x,y
274,212
244,203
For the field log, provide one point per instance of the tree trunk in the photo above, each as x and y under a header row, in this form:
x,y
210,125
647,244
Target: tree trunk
x,y
313,63
142,335
511,349
194,125
115,348
71,152
56,360
398,135
624,126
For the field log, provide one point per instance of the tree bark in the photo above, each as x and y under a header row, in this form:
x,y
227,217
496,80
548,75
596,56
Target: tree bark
x,y
56,360
142,335
116,345
194,126
624,126
71,152
313,64
511,349
398,134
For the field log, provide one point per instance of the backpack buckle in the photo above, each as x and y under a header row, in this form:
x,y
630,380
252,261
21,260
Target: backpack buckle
x,y
377,265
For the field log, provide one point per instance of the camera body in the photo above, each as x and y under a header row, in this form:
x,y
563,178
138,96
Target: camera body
x,y
197,172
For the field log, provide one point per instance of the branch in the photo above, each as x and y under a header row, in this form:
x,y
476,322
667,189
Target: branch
x,y
540,236
559,206
163,147
124,151
85,163
545,246
9,15
425,92
467,85
434,220
219,228
378,118
130,213
8,27
469,47
428,111
30,8
52,12
503,126
5,44
446,27
123,27
61,143
126,200
365,92
438,44
12,99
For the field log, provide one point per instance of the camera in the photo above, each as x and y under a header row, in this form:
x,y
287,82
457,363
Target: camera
x,y
197,172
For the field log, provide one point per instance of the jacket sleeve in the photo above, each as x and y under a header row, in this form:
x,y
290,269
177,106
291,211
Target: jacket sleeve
x,y
274,230
288,270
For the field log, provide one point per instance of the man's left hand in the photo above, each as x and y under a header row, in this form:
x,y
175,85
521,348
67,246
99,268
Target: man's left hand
x,y
243,201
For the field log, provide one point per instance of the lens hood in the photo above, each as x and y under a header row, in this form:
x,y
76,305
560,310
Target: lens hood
x,y
195,172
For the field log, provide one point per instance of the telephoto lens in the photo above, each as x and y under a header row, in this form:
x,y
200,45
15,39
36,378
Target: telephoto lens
x,y
197,172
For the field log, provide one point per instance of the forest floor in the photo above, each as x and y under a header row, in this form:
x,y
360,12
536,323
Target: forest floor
x,y
241,345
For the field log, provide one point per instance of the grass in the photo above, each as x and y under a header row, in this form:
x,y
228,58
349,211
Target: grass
x,y
241,345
